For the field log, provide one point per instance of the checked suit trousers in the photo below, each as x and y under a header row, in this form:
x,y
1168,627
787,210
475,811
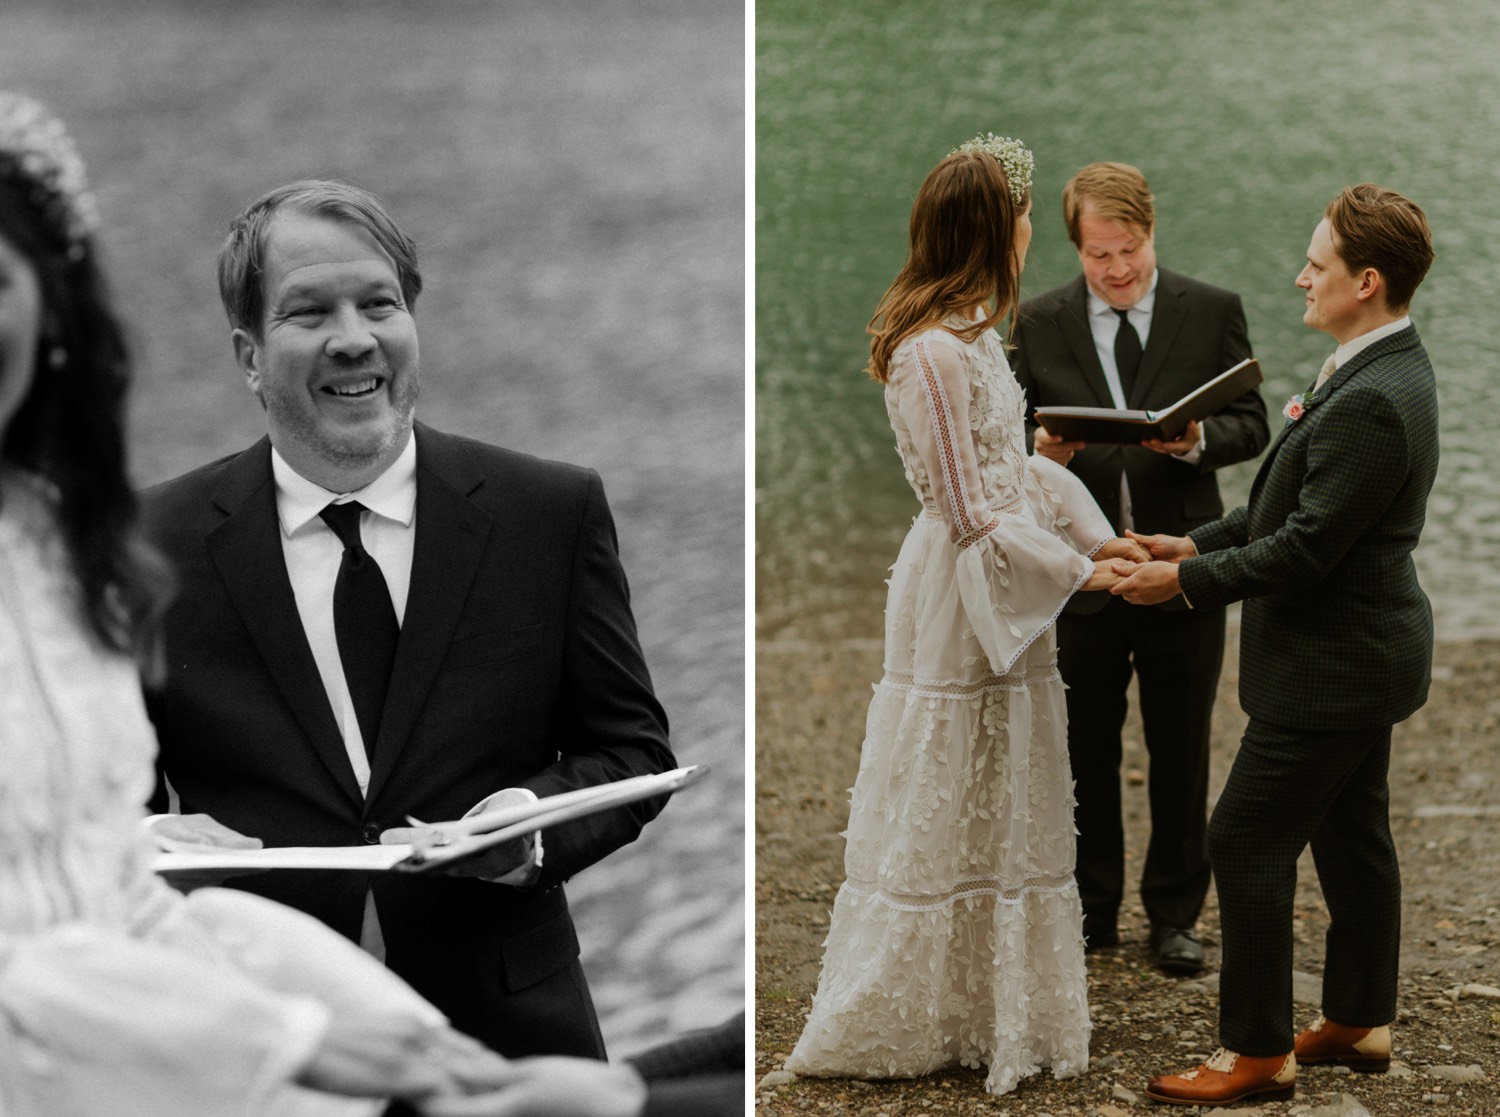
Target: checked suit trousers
x,y
1289,788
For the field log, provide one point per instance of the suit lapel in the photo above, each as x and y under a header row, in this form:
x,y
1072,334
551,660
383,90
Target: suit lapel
x,y
1167,316
1073,320
246,549
451,535
1405,339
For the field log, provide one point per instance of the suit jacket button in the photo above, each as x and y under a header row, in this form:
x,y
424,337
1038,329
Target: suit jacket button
x,y
370,833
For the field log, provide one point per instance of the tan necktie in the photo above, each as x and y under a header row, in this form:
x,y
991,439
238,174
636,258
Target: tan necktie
x,y
1324,373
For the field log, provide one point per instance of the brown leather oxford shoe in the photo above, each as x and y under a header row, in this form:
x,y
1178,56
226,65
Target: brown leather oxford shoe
x,y
1227,1078
1330,1044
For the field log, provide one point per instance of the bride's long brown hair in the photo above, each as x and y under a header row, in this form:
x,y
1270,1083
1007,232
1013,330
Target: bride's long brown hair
x,y
963,227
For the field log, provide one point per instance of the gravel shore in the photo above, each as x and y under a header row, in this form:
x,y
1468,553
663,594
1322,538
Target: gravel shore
x,y
810,703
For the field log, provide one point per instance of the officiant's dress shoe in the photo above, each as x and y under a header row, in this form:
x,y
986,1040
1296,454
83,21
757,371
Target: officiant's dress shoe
x,y
1330,1044
1227,1078
1176,950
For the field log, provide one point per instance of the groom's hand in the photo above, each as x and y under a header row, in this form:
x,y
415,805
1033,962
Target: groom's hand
x,y
1168,548
1150,583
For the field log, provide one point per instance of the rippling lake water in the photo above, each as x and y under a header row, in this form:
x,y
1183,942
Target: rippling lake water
x,y
1245,119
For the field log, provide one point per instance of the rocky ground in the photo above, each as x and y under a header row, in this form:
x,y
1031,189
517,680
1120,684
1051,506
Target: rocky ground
x,y
1445,773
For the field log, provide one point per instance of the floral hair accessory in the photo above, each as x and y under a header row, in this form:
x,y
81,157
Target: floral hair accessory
x,y
1295,407
1018,162
37,155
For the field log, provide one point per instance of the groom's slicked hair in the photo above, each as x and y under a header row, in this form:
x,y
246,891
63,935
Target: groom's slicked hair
x,y
1114,191
960,253
1378,228
242,259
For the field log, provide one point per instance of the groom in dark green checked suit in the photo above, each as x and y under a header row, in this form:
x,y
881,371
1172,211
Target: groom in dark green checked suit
x,y
1335,648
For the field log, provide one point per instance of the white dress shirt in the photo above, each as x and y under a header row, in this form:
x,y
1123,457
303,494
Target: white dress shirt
x,y
313,554
1104,325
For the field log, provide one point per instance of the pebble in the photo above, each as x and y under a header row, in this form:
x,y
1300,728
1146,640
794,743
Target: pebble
x,y
776,1078
1124,1094
1345,1105
1110,1111
1462,1076
1435,1099
1480,992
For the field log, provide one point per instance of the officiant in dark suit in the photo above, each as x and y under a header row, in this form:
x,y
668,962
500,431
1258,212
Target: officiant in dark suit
x,y
1129,334
376,620
1335,648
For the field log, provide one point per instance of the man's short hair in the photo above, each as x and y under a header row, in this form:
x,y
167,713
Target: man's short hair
x,y
1116,191
242,259
1378,228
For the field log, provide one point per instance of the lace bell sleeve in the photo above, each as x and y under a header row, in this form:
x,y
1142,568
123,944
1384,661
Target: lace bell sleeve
x,y
1058,497
1014,572
90,1018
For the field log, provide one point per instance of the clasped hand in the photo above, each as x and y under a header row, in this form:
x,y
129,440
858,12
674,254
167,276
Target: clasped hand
x,y
1154,581
1114,561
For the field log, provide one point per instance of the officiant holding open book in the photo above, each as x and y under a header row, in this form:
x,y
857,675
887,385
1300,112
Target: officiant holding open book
x,y
379,621
1128,334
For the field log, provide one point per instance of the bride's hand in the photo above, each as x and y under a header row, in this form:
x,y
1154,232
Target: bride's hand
x,y
1108,573
399,1057
1123,549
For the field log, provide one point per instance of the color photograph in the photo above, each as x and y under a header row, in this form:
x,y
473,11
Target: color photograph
x,y
1022,842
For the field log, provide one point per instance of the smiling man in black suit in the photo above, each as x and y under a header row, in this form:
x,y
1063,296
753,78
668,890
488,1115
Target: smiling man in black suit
x,y
378,620
1126,333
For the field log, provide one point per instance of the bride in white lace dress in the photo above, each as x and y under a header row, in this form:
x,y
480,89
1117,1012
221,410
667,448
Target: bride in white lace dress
x,y
956,938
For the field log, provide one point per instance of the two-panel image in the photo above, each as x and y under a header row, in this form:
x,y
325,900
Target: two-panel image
x,y
683,560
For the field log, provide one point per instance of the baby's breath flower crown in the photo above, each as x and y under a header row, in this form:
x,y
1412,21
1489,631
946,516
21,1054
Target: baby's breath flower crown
x,y
1018,162
37,155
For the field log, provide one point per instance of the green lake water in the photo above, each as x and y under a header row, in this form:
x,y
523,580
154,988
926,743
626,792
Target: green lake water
x,y
1246,119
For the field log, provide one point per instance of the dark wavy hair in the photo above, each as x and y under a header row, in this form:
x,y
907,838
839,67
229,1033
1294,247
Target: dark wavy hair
x,y
69,430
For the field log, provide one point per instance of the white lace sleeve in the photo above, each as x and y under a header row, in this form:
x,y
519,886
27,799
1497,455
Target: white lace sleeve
x,y
89,1018
1068,503
1014,572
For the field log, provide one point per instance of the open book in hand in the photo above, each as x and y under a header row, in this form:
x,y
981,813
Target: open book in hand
x,y
1112,424
449,841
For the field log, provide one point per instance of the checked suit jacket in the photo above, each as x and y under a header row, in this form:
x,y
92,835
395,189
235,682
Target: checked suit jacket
x,y
1197,331
518,665
1336,632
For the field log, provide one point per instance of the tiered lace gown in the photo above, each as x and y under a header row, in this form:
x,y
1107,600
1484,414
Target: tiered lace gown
x,y
117,995
957,935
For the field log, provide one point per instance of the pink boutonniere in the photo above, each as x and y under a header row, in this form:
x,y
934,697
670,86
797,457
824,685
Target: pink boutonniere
x,y
1294,408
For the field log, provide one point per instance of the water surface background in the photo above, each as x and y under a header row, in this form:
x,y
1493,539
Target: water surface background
x,y
1245,118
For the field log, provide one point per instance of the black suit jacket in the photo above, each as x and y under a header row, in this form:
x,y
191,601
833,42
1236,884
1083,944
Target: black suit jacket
x,y
1197,331
1336,633
518,665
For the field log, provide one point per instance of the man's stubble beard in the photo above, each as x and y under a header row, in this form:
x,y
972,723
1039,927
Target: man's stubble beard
x,y
302,427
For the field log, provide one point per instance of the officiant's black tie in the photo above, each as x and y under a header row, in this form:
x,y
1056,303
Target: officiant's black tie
x,y
364,620
1127,354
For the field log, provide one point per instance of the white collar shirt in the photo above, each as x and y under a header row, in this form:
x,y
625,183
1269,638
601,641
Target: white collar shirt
x,y
1104,324
313,554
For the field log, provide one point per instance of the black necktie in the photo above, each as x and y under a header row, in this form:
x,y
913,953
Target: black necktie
x,y
364,621
1127,354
